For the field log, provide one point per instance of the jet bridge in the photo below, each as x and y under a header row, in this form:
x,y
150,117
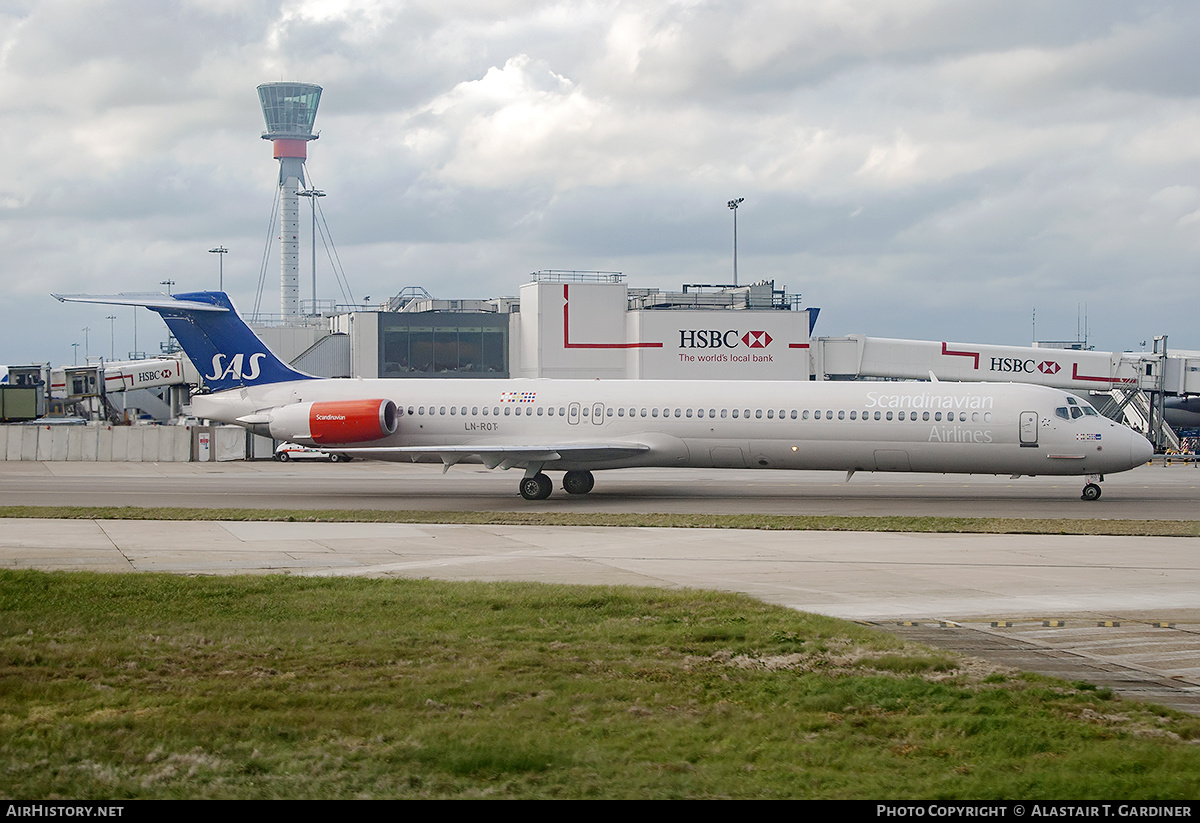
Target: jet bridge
x,y
87,389
1131,385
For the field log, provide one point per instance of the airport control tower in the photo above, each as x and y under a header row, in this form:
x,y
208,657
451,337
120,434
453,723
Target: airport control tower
x,y
290,110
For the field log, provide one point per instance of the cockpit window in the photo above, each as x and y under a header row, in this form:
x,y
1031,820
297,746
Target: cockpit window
x,y
1075,410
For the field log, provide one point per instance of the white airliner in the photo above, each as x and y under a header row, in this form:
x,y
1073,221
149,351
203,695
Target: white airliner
x,y
581,426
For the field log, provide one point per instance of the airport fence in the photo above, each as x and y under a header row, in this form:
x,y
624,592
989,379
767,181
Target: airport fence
x,y
131,444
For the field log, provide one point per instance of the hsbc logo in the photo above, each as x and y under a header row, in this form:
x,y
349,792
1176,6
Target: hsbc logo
x,y
714,339
1016,364
756,339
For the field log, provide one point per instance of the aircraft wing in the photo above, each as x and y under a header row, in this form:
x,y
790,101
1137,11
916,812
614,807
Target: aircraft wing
x,y
503,455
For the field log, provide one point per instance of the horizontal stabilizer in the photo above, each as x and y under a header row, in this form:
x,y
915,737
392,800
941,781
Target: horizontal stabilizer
x,y
151,300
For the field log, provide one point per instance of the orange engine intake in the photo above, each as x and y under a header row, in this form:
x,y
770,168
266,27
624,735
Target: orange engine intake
x,y
351,421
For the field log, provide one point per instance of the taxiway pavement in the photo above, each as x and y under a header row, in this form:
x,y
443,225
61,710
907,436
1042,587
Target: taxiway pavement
x,y
1147,493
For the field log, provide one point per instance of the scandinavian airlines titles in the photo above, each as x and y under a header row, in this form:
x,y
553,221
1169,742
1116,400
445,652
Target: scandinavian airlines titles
x,y
926,400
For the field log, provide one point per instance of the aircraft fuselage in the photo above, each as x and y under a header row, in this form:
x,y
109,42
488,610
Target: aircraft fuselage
x,y
922,427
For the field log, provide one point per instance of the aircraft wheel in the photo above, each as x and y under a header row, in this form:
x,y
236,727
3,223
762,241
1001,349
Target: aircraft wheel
x,y
1091,492
537,487
578,482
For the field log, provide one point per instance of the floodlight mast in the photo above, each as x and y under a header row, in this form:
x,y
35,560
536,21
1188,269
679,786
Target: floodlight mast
x,y
733,205
290,109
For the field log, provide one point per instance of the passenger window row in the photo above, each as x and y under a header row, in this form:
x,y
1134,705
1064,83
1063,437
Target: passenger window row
x,y
757,414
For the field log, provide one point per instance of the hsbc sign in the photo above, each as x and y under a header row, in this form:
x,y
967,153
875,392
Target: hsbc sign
x,y
1012,364
715,339
762,345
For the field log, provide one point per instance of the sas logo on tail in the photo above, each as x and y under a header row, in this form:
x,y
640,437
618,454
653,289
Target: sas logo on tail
x,y
234,369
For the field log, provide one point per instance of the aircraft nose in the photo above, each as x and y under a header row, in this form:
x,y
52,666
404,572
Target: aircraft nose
x,y
1140,449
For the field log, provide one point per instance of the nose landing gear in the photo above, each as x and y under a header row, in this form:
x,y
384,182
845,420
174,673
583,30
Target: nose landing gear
x,y
1092,490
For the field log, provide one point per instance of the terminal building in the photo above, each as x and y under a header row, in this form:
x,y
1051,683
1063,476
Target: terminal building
x,y
567,324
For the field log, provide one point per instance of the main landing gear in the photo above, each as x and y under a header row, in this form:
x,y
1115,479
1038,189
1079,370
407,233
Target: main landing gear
x,y
1092,490
538,486
578,482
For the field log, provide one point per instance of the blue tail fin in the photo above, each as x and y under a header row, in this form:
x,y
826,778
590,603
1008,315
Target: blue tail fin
x,y
227,353
224,349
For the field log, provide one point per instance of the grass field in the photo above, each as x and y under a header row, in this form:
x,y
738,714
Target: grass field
x,y
155,686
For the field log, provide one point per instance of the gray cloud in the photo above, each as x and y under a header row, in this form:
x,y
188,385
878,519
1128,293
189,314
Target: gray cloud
x,y
922,169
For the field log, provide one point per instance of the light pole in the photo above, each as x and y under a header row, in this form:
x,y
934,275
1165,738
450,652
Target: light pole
x,y
168,284
86,329
221,250
76,347
112,336
313,194
733,206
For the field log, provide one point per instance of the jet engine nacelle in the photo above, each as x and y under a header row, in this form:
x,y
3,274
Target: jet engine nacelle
x,y
334,421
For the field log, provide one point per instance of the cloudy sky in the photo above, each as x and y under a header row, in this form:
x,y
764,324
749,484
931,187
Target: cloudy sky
x,y
931,169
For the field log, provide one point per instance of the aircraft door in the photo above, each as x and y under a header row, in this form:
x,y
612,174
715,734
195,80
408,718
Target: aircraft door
x,y
597,413
573,414
1029,428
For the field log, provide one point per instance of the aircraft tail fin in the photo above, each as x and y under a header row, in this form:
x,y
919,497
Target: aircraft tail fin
x,y
227,353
